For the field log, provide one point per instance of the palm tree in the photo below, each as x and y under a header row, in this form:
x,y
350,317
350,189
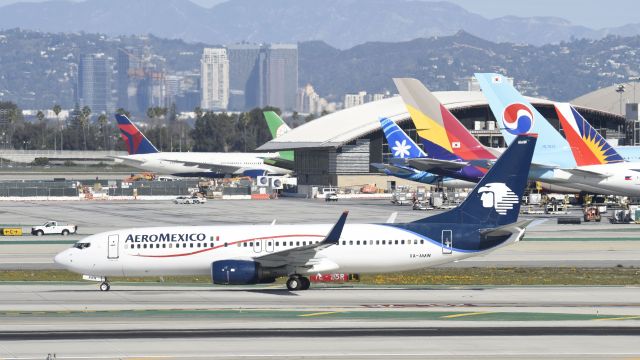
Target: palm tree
x,y
40,116
102,120
84,120
56,110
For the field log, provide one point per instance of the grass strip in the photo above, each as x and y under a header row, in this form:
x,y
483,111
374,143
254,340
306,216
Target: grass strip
x,y
618,276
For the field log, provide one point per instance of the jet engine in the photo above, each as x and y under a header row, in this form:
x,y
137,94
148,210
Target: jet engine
x,y
242,272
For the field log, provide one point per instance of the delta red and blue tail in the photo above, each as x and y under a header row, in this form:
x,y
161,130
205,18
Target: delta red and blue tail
x,y
135,140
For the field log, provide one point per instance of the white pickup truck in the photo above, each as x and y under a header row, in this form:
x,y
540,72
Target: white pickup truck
x,y
54,227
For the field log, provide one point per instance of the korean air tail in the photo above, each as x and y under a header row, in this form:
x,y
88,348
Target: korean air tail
x,y
428,114
587,145
400,144
278,127
515,116
495,201
136,142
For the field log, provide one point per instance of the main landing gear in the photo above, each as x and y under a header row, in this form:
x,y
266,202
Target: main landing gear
x,y
298,282
104,286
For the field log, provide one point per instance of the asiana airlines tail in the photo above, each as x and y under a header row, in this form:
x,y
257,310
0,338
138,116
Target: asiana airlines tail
x,y
253,254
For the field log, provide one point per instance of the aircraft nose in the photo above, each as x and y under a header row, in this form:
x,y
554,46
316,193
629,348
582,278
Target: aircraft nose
x,y
62,258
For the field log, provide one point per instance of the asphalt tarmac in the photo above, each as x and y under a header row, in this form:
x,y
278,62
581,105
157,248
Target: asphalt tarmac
x,y
197,322
546,244
156,321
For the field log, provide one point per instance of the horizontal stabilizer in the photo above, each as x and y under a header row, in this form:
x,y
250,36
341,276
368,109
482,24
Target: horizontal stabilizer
x,y
393,169
431,165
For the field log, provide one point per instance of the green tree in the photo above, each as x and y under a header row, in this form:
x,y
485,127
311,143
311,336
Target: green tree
x,y
102,120
84,121
56,110
40,116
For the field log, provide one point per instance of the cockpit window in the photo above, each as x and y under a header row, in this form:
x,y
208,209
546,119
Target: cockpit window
x,y
81,245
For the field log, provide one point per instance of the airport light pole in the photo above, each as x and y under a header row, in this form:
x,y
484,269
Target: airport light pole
x,y
620,91
635,80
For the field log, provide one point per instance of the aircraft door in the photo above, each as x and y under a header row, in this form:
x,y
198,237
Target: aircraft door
x,y
447,241
257,246
269,245
113,246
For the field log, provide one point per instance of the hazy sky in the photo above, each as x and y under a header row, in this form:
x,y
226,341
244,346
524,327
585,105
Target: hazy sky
x,y
591,13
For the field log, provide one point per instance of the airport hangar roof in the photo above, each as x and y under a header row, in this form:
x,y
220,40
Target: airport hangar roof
x,y
338,128
608,100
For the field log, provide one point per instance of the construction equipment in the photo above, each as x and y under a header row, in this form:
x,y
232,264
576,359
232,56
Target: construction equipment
x,y
142,176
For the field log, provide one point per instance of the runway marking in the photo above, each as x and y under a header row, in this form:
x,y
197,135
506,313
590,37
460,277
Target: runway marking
x,y
465,314
619,318
320,313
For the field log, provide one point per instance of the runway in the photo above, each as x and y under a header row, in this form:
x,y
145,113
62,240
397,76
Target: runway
x,y
152,320
196,322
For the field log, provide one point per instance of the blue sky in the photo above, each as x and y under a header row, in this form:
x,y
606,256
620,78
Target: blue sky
x,y
591,13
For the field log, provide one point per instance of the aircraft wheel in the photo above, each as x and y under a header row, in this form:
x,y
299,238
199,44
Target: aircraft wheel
x,y
105,286
294,283
305,283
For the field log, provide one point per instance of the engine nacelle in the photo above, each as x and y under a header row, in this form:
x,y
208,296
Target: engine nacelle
x,y
240,272
254,173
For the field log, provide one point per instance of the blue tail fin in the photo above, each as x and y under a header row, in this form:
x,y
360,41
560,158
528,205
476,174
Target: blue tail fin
x,y
495,200
515,115
135,140
400,144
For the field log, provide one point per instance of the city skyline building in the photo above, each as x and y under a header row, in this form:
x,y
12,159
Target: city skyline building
x,y
94,83
244,84
280,76
214,78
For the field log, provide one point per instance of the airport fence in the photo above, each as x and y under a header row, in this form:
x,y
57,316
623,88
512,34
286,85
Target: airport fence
x,y
116,188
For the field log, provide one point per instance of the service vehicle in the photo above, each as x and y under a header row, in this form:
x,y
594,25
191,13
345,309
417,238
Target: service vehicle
x,y
54,227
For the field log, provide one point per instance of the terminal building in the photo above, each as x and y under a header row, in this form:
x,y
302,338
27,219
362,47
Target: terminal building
x,y
337,149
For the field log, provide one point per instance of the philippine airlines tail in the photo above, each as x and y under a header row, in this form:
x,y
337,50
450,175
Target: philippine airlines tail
x,y
135,140
495,201
515,116
587,145
400,144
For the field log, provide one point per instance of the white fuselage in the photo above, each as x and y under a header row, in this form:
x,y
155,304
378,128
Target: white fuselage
x,y
618,179
190,250
176,163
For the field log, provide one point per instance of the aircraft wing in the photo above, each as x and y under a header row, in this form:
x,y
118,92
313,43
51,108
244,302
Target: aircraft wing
x,y
428,164
585,172
305,256
279,162
217,168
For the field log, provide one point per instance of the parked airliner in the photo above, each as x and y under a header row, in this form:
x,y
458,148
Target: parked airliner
x,y
144,155
586,161
251,254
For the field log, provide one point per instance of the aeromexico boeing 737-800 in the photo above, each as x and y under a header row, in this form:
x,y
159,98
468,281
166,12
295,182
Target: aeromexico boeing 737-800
x,y
144,155
252,254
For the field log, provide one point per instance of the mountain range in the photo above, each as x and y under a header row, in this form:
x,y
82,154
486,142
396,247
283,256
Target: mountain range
x,y
340,23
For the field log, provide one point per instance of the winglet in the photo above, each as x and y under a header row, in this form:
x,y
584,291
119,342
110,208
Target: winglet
x,y
334,235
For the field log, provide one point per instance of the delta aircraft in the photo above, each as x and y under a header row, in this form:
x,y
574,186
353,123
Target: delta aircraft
x,y
583,160
144,155
252,254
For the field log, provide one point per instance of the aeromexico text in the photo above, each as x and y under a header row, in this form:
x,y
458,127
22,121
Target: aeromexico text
x,y
140,238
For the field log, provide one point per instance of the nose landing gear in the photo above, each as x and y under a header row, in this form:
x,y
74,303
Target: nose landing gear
x,y
298,282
